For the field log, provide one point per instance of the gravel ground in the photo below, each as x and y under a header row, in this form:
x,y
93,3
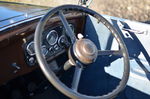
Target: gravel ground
x,y
138,10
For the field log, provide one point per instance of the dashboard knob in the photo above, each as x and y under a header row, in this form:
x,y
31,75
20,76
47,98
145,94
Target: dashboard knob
x,y
32,61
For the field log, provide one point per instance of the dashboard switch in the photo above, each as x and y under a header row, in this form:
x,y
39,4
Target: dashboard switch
x,y
56,47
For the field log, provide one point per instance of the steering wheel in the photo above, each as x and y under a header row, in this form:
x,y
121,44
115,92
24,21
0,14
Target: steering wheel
x,y
82,51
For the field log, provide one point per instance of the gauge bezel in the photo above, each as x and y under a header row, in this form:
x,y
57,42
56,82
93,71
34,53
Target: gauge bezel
x,y
52,31
28,49
59,40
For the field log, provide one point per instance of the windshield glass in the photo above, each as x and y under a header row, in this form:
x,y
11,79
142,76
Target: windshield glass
x,y
138,10
12,13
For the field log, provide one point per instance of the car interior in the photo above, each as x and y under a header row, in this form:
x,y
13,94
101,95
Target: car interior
x,y
68,52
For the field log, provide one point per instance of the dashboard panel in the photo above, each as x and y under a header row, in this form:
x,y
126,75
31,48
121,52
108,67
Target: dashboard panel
x,y
13,44
54,42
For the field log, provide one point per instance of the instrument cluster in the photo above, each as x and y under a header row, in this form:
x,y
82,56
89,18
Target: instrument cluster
x,y
54,42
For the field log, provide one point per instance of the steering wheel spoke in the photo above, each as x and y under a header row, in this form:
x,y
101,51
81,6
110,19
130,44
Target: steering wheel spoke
x,y
77,76
109,52
69,31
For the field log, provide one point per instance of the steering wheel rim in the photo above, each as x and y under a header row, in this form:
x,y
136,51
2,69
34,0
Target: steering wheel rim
x,y
50,74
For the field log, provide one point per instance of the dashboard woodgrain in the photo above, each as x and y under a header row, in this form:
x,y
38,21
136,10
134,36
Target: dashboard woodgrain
x,y
11,49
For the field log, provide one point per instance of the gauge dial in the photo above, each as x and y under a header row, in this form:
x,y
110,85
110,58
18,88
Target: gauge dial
x,y
62,41
31,51
52,37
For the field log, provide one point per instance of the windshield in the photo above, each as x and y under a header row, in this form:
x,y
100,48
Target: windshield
x,y
13,13
138,10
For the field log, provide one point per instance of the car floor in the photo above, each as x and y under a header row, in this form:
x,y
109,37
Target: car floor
x,y
94,81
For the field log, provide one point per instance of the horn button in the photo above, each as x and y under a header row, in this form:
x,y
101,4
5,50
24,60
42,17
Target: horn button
x,y
85,51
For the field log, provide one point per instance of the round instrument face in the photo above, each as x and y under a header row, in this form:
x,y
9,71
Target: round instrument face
x,y
31,51
52,37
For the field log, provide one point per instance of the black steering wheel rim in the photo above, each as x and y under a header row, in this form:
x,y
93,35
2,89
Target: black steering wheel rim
x,y
50,74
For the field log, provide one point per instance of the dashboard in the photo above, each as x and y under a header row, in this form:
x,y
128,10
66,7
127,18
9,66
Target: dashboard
x,y
17,45
54,43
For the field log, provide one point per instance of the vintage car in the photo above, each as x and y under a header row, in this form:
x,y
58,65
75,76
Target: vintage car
x,y
71,51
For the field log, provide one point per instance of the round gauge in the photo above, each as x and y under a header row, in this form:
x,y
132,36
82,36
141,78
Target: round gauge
x,y
31,51
44,50
52,37
30,48
62,41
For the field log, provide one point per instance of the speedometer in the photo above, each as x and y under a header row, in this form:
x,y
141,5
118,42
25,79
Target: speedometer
x,y
52,37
